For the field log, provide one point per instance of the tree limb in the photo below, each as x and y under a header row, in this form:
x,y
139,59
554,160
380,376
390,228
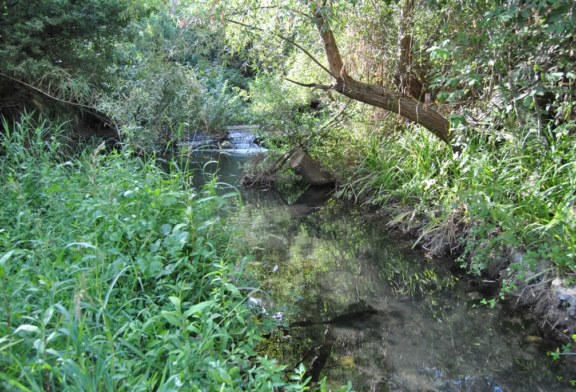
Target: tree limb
x,y
45,93
307,53
375,95
89,108
311,85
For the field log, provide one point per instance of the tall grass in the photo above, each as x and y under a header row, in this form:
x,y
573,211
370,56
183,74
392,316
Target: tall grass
x,y
517,194
115,276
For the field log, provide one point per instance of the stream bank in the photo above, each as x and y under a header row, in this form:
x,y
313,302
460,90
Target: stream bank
x,y
530,290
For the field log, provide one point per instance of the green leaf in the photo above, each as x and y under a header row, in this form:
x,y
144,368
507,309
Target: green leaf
x,y
6,256
172,318
233,289
27,328
197,308
175,301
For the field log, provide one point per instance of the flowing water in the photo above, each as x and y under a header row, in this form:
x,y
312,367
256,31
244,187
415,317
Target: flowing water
x,y
355,302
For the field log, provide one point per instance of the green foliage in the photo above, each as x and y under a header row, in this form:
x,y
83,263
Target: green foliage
x,y
511,196
151,70
403,169
524,51
284,110
61,47
173,81
565,350
115,276
39,35
152,99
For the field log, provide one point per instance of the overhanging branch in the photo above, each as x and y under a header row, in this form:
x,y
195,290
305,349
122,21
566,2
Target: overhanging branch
x,y
375,95
91,109
311,85
307,53
45,93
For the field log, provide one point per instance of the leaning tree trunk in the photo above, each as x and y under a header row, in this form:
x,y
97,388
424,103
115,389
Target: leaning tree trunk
x,y
401,104
375,95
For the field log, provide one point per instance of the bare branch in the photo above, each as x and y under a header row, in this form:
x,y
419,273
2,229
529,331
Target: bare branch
x,y
311,85
307,53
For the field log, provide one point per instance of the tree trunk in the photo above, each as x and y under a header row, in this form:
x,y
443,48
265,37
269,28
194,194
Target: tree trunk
x,y
406,78
309,169
401,104
375,95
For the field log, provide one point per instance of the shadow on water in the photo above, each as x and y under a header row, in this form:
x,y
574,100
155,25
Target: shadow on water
x,y
354,302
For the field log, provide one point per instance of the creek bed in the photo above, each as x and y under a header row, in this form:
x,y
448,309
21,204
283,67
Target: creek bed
x,y
355,302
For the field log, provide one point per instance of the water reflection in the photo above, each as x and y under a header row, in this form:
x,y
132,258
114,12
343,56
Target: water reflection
x,y
361,305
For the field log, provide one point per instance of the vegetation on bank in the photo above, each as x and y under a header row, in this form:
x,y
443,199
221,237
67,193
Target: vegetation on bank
x,y
117,276
95,250
501,72
489,201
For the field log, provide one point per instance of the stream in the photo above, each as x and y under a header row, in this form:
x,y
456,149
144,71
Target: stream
x,y
354,302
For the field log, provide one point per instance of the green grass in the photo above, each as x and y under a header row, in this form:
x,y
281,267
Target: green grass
x,y
116,276
515,195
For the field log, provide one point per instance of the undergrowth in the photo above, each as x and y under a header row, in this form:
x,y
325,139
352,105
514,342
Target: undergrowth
x,y
116,276
497,195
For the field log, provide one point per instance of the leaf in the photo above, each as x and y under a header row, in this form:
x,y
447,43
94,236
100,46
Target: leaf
x,y
54,188
80,245
233,289
165,229
175,301
6,256
172,318
197,308
47,316
27,328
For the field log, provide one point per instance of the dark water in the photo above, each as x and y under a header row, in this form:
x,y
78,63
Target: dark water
x,y
356,302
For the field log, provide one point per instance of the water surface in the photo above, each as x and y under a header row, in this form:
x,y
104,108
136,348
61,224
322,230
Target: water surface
x,y
355,302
